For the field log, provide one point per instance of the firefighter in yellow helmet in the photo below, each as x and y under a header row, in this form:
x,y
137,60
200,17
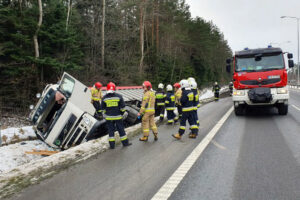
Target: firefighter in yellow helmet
x,y
148,111
96,98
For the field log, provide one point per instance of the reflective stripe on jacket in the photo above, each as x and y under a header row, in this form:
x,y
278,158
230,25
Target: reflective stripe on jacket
x,y
148,102
196,98
113,106
187,100
170,101
160,97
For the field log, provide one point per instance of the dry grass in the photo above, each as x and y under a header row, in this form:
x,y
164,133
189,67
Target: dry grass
x,y
4,138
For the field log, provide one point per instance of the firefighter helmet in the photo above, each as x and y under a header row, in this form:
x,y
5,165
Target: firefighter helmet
x,y
169,88
216,83
184,84
111,87
147,85
193,85
161,86
98,85
191,79
176,85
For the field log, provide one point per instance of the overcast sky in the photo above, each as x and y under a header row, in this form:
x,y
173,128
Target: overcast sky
x,y
252,23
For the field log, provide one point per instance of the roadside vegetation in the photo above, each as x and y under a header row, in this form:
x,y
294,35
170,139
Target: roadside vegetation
x,y
125,41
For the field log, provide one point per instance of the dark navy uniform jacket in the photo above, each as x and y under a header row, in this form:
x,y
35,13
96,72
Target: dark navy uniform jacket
x,y
187,100
113,106
170,101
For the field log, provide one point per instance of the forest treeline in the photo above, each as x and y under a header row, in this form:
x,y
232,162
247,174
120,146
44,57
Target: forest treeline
x,y
125,41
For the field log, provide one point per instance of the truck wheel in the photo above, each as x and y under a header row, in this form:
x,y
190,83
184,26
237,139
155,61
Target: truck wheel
x,y
238,110
282,109
132,115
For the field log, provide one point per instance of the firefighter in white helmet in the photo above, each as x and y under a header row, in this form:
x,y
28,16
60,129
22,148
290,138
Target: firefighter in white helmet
x,y
160,97
187,103
170,104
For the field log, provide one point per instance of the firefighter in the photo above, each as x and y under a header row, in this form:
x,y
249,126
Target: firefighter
x,y
113,106
170,104
187,103
96,98
216,90
147,111
178,93
196,101
230,88
160,98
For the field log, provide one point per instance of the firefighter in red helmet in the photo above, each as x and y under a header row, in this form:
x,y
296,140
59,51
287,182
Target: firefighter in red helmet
x,y
96,97
148,111
113,106
178,93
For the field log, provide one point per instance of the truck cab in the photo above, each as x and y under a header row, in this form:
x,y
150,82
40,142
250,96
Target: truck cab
x,y
64,115
260,79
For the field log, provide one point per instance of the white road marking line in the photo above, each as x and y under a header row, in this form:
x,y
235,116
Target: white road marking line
x,y
296,107
168,188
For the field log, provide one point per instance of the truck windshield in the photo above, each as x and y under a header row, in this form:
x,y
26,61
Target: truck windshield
x,y
266,63
66,86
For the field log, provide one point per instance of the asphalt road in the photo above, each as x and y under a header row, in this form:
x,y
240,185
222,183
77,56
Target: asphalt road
x,y
256,156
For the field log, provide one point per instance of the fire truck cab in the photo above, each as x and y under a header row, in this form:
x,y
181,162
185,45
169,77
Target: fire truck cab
x,y
260,78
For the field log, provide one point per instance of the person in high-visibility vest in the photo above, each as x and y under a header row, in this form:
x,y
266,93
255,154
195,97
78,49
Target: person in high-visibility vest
x,y
160,98
170,104
230,88
96,97
178,93
187,103
216,90
113,106
148,111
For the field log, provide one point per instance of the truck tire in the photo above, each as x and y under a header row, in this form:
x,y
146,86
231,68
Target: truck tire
x,y
238,110
282,109
132,115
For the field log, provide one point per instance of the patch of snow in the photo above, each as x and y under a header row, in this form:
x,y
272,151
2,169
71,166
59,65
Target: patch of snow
x,y
13,135
207,94
14,155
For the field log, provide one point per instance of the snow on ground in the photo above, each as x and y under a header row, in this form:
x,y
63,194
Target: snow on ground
x,y
13,135
207,94
14,155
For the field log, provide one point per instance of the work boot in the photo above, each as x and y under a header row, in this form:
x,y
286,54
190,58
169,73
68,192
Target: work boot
x,y
112,144
192,135
155,136
144,138
177,136
126,143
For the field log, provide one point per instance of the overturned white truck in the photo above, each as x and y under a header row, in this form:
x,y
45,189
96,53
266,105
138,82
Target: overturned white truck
x,y
64,115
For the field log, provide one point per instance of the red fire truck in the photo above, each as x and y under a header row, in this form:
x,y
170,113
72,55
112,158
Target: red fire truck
x,y
260,78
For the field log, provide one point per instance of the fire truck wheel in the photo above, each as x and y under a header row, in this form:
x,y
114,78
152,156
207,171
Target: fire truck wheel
x,y
282,109
238,110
